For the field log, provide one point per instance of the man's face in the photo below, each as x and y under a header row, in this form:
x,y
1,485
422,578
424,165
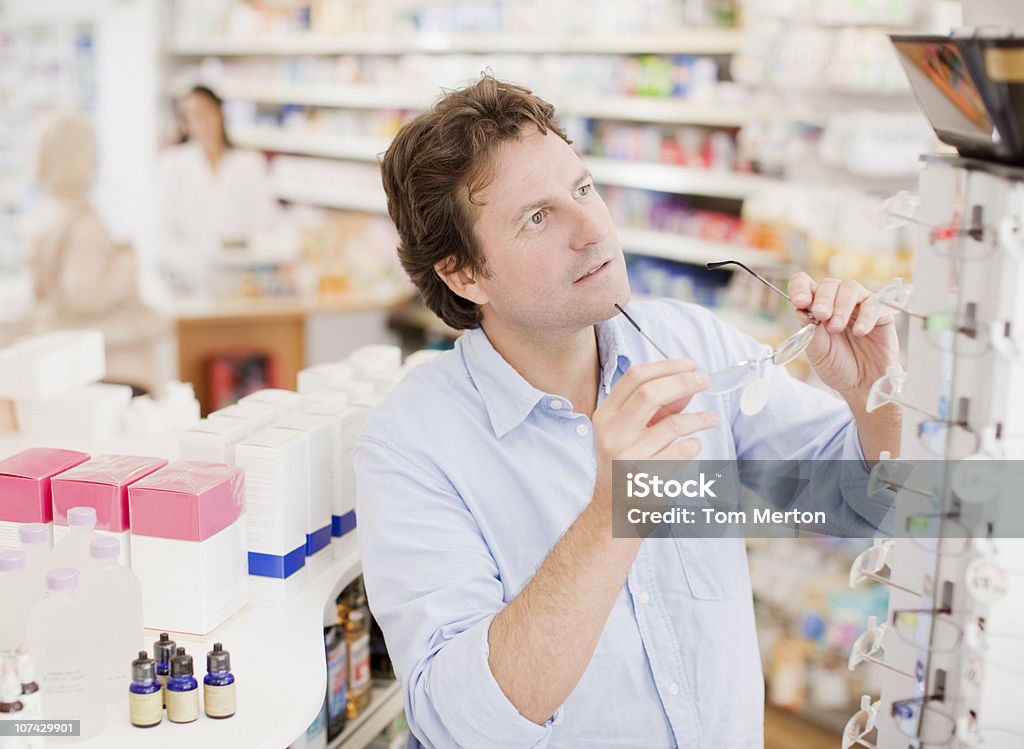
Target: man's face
x,y
542,230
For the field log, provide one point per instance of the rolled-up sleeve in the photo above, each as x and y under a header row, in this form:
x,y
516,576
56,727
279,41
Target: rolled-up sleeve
x,y
434,588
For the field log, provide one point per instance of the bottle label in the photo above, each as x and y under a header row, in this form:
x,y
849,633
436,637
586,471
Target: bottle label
x,y
219,701
359,663
162,678
337,681
182,707
146,709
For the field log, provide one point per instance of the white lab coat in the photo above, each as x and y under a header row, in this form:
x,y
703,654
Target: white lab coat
x,y
198,210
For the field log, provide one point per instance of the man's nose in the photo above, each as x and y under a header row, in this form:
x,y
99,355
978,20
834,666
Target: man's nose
x,y
589,227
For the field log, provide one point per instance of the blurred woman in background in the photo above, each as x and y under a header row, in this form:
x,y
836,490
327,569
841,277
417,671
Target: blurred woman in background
x,y
210,195
81,277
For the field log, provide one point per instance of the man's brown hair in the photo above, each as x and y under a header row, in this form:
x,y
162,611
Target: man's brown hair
x,y
431,172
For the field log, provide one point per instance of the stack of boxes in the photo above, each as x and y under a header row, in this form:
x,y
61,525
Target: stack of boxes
x,y
262,489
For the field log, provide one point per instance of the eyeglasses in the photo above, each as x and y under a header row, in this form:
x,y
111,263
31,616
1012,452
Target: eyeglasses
x,y
861,723
960,333
975,736
934,630
747,373
872,564
869,644
975,241
919,718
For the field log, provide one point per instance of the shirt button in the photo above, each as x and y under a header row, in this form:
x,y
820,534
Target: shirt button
x,y
582,430
673,689
644,597
556,404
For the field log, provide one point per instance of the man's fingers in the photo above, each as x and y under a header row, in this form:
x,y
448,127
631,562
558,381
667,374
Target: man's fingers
x,y
638,374
657,438
649,398
801,290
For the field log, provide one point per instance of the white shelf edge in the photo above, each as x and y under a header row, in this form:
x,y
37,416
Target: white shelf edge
x,y
341,198
684,249
676,179
384,707
361,96
351,147
698,41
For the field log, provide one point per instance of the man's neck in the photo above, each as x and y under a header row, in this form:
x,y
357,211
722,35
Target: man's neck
x,y
564,364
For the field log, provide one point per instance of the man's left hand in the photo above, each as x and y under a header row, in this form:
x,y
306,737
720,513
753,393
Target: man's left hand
x,y
856,339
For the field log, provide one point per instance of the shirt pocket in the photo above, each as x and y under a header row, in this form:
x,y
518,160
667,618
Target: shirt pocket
x,y
715,568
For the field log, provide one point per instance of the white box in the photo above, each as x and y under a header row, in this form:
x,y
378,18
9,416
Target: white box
x,y
375,358
44,367
346,421
322,449
257,414
276,466
213,440
91,413
274,398
324,376
192,586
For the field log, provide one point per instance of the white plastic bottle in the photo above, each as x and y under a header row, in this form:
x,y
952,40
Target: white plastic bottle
x,y
115,596
73,550
63,638
35,542
15,601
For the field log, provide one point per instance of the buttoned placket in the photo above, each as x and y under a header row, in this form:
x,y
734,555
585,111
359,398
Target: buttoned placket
x,y
659,640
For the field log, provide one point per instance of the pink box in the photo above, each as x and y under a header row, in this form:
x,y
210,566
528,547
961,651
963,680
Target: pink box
x,y
25,483
187,500
101,483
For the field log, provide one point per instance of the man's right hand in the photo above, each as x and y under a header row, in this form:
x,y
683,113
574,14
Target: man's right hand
x,y
643,418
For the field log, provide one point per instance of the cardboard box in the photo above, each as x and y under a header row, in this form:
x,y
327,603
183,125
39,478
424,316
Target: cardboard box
x,y
324,376
322,483
188,545
276,465
213,440
346,421
25,486
273,398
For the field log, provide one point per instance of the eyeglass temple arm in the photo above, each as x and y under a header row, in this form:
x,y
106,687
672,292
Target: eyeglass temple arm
x,y
773,287
641,332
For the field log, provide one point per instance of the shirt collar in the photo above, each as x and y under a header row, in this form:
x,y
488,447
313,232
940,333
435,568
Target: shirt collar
x,y
507,397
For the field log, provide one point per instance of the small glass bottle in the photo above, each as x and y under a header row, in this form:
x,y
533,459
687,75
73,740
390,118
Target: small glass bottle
x,y
182,690
163,651
145,702
219,684
357,645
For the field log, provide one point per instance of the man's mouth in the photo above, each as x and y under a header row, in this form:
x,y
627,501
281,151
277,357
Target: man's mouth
x,y
594,271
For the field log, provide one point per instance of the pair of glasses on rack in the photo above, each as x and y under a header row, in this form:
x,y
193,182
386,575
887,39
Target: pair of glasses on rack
x,y
747,374
940,730
975,240
963,333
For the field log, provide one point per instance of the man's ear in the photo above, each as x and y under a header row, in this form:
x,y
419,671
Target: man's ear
x,y
462,282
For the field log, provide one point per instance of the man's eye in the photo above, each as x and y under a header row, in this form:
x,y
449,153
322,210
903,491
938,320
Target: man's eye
x,y
584,190
537,218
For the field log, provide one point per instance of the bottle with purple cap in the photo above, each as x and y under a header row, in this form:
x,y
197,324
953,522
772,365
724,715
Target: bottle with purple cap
x,y
63,636
115,596
35,542
72,549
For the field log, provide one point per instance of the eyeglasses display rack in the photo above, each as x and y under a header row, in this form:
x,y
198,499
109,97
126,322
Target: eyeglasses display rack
x,y
952,648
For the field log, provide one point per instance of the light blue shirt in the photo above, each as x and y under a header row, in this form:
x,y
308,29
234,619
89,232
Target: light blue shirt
x,y
467,477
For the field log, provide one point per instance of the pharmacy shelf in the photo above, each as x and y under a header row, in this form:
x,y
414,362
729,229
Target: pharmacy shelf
x,y
277,656
351,147
698,41
385,704
684,249
362,96
676,179
342,198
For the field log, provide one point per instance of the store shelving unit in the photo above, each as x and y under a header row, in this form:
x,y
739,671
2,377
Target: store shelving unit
x,y
385,704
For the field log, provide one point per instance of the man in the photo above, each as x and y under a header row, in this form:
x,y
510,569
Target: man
x,y
513,616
